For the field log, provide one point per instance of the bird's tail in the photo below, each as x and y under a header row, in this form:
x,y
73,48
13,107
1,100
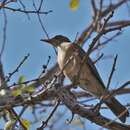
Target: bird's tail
x,y
118,109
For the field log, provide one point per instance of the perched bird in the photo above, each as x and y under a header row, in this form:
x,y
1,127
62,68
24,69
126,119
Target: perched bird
x,y
88,76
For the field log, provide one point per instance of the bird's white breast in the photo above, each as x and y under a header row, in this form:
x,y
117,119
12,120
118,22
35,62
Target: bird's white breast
x,y
62,49
67,60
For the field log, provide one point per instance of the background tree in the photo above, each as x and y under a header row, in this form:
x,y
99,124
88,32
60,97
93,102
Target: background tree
x,y
34,94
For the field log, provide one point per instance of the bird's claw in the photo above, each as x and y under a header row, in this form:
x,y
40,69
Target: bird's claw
x,y
96,108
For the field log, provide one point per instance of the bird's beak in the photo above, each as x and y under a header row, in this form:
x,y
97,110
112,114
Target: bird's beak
x,y
46,40
49,41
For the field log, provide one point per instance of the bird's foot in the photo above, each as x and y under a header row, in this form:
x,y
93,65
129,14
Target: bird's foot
x,y
96,108
75,81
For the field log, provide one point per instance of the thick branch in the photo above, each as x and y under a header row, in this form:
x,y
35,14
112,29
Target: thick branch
x,y
68,99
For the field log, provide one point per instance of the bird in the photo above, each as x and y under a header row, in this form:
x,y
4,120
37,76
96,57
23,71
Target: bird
x,y
88,76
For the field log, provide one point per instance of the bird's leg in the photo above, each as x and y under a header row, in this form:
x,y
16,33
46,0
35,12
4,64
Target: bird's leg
x,y
75,81
97,107
102,99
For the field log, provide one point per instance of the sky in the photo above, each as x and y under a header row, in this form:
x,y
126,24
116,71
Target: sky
x,y
23,37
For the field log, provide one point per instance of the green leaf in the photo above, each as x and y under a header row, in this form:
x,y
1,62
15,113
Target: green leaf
x,y
16,91
21,79
29,89
74,4
26,124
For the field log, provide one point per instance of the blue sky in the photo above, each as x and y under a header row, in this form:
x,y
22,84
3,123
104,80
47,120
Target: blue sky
x,y
23,36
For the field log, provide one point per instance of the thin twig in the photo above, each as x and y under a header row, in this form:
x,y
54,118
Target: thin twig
x,y
40,21
98,58
40,5
94,8
43,28
4,34
107,41
24,8
17,117
120,88
44,123
112,72
21,113
13,72
26,11
17,68
94,41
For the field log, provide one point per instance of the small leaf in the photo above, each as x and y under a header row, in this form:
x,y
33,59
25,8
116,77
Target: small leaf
x,y
74,4
21,79
29,89
26,124
16,92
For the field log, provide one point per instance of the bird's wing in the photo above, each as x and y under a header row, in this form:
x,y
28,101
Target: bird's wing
x,y
90,63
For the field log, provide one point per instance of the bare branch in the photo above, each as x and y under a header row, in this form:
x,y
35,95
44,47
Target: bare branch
x,y
44,123
72,104
4,34
112,72
16,70
26,11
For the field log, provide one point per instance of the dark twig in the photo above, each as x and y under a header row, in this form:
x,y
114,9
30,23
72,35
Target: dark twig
x,y
13,72
116,28
40,5
44,123
21,113
113,7
24,8
118,90
94,41
46,65
98,106
98,58
25,83
85,34
70,120
111,38
94,8
91,28
112,72
40,21
4,34
118,23
26,11
12,111
107,41
17,68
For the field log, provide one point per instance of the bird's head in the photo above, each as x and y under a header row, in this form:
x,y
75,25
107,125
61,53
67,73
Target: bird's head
x,y
57,40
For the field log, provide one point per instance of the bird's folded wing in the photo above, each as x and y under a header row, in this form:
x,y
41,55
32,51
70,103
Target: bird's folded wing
x,y
90,64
